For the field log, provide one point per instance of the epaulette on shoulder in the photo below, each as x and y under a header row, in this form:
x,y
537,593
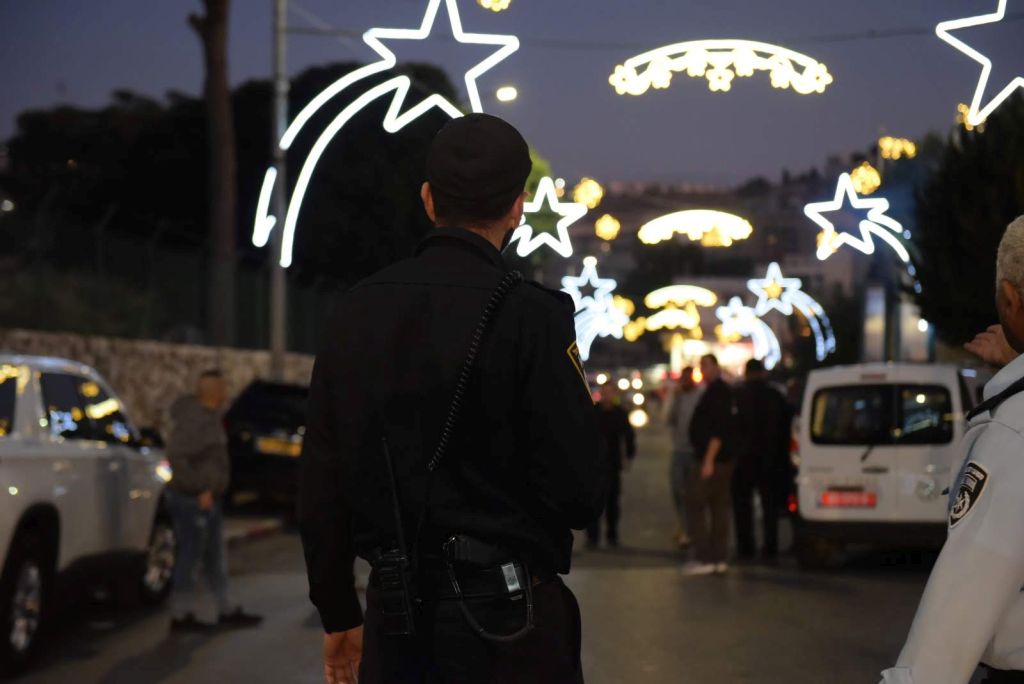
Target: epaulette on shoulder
x,y
562,298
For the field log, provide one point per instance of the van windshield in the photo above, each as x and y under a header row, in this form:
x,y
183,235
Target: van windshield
x,y
882,414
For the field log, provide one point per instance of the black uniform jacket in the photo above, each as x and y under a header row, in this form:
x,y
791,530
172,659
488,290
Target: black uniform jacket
x,y
524,464
714,416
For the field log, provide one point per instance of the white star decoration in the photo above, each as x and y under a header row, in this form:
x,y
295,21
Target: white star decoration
x,y
571,212
977,114
877,222
773,291
603,287
743,321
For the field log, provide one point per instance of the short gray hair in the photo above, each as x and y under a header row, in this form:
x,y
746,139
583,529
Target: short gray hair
x,y
1010,259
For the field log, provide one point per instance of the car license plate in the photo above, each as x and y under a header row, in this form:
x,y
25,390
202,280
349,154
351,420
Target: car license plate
x,y
278,446
844,498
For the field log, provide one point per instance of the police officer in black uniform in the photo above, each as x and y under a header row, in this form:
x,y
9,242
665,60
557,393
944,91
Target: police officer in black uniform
x,y
464,509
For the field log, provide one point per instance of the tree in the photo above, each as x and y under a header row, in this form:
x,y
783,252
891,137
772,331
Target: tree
x,y
976,190
212,29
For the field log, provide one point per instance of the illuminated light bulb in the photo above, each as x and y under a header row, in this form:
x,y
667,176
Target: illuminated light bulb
x,y
638,399
720,62
962,118
623,384
13,491
866,179
698,376
638,418
607,227
776,292
877,223
897,148
6,206
570,212
624,305
601,378
637,383
394,119
977,113
588,192
720,228
495,5
922,325
507,94
921,398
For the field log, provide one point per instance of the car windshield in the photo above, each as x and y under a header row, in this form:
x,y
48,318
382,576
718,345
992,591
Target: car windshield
x,y
882,415
271,404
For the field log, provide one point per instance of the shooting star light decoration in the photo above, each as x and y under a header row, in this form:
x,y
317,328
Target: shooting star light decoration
x,y
394,120
977,113
597,315
743,321
775,292
720,61
547,194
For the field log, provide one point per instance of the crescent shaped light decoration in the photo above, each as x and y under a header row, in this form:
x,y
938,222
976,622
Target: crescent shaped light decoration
x,y
720,61
394,120
680,295
977,113
710,227
775,292
743,321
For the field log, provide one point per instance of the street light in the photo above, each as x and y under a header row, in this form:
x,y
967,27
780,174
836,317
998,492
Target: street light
x,y
507,94
495,5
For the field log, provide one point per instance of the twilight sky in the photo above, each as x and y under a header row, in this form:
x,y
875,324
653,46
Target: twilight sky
x,y
78,51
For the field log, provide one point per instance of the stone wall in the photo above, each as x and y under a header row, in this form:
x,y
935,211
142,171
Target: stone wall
x,y
150,375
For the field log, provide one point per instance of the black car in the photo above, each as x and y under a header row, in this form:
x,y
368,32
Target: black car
x,y
265,426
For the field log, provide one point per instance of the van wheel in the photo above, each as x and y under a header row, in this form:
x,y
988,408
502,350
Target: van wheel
x,y
158,564
24,591
814,553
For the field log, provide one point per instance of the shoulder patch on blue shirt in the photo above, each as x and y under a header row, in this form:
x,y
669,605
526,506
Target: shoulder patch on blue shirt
x,y
968,493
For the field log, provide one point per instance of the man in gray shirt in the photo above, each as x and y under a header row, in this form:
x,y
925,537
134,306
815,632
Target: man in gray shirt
x,y
197,450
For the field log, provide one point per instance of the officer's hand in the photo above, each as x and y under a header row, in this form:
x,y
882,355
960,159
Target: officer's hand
x,y
991,347
342,653
707,471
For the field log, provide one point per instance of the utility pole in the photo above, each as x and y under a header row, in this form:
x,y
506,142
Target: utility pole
x,y
278,281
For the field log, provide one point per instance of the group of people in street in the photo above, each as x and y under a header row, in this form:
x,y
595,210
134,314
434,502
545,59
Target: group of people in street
x,y
728,443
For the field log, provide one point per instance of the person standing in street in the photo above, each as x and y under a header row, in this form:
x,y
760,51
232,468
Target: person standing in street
x,y
619,441
708,484
972,610
681,408
198,454
453,443
761,460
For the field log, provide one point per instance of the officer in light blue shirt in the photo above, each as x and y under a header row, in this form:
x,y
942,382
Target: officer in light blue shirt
x,y
972,610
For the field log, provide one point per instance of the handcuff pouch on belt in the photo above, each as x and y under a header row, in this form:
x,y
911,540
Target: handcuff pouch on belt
x,y
394,570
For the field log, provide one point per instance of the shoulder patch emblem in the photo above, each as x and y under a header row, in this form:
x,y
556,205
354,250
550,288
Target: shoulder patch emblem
x,y
577,362
972,485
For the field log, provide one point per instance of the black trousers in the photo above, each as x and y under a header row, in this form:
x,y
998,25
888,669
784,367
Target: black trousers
x,y
1003,677
447,651
743,487
611,512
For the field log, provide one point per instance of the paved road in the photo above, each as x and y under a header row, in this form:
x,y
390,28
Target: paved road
x,y
643,622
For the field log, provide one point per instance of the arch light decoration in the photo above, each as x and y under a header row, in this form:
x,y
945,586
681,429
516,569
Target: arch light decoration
x,y
775,292
977,114
710,227
394,120
743,321
720,62
597,315
877,224
527,241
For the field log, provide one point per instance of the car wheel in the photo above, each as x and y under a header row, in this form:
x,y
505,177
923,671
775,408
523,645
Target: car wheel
x,y
158,564
24,589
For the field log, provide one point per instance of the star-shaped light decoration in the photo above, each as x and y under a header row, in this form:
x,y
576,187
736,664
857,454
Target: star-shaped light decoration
x,y
784,295
977,113
774,291
877,223
603,287
571,212
743,321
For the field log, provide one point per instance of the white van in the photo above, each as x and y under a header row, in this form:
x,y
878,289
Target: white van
x,y
874,450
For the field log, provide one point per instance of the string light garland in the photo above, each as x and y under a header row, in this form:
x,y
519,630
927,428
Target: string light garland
x,y
977,113
699,225
394,120
720,62
897,148
527,241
